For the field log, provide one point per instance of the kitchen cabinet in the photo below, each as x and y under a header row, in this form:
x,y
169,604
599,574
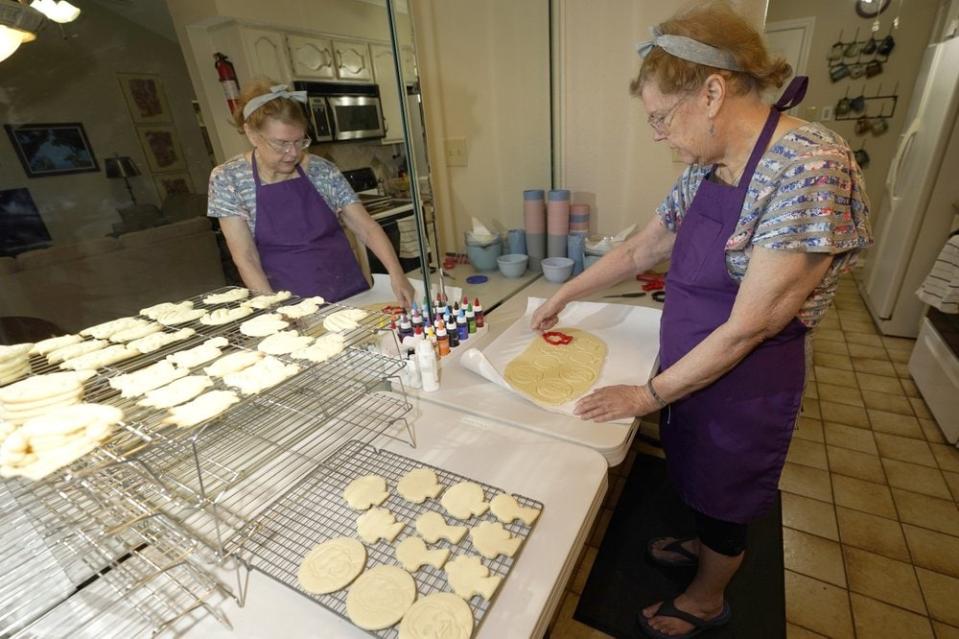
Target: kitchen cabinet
x,y
385,74
408,60
266,54
352,60
312,58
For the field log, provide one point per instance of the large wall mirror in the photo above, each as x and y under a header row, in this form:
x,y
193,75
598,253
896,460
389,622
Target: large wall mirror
x,y
115,121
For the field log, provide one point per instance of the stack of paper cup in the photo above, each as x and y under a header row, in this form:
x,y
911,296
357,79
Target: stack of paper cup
x,y
534,219
557,223
579,219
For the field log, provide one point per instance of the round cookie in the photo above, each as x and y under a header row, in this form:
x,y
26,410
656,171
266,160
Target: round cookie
x,y
331,565
441,615
380,597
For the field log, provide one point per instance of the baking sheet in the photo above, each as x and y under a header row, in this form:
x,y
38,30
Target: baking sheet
x,y
631,334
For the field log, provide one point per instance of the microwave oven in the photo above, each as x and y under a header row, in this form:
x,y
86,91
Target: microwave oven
x,y
343,112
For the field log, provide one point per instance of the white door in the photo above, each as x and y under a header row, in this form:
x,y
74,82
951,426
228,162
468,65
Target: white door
x,y
792,40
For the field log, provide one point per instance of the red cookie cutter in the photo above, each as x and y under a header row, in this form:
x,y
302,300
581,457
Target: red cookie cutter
x,y
557,338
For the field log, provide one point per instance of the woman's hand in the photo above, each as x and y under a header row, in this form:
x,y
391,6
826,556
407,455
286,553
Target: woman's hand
x,y
547,315
615,402
403,290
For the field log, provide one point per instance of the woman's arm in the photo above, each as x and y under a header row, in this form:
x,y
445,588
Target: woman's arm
x,y
637,254
770,296
371,234
243,251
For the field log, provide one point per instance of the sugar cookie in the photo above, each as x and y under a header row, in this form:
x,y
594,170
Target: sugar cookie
x,y
331,565
464,500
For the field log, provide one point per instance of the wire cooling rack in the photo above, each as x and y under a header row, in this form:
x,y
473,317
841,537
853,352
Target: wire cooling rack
x,y
314,511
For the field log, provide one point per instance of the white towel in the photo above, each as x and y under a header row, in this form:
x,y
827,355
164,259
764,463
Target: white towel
x,y
409,246
941,286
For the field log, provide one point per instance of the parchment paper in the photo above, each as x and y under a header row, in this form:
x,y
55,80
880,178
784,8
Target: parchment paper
x,y
631,334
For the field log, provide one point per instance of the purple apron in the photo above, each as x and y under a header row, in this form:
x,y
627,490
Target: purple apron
x,y
301,245
726,443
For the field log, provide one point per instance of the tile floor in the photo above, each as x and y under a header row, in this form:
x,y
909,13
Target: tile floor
x,y
869,493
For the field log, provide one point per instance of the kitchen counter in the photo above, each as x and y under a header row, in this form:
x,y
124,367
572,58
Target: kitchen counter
x,y
466,391
569,480
491,293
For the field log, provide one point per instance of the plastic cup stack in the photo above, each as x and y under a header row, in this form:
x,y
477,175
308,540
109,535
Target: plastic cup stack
x,y
534,219
579,219
557,223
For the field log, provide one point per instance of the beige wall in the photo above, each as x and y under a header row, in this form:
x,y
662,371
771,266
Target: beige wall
x,y
56,79
605,152
484,69
911,39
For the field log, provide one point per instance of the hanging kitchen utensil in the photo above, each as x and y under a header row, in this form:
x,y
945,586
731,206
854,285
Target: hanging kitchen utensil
x,y
880,125
870,47
857,70
886,45
853,48
838,72
835,52
873,68
861,155
858,103
842,107
863,125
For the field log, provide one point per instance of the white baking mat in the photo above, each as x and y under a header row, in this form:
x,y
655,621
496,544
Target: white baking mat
x,y
631,334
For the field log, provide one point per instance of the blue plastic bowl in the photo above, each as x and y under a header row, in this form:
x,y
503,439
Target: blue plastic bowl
x,y
557,269
483,258
512,264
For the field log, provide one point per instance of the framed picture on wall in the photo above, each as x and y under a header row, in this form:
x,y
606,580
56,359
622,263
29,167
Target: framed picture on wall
x,y
145,97
162,149
172,183
52,149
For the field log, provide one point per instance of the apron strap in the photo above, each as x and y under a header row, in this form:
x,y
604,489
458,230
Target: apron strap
x,y
256,171
794,93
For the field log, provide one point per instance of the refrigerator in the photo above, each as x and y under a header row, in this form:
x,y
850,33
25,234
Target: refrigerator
x,y
921,190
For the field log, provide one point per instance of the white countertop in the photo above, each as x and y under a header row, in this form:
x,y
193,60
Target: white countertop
x,y
467,391
491,293
569,480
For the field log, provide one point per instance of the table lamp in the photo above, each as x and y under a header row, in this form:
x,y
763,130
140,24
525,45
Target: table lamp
x,y
122,167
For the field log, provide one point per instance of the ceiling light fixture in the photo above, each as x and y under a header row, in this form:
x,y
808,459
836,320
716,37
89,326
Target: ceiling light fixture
x,y
18,24
59,11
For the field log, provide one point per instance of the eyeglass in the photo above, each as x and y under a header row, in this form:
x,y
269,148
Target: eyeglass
x,y
285,146
659,121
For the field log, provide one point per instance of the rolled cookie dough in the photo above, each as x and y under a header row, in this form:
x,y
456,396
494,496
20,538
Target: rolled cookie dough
x,y
556,374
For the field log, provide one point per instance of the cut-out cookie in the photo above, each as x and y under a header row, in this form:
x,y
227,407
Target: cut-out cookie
x,y
491,539
380,597
366,491
331,565
302,308
345,320
376,524
464,500
468,576
413,553
438,616
418,484
232,295
432,527
266,301
506,509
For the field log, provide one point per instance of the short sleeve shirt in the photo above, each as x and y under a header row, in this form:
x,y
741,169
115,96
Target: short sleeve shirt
x,y
233,190
807,194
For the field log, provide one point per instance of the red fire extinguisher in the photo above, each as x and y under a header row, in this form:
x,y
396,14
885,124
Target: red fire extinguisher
x,y
227,75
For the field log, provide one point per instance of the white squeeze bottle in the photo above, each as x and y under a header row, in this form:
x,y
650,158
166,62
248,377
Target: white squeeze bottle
x,y
413,371
429,366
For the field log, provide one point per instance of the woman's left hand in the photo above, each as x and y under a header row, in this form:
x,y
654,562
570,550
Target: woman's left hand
x,y
403,290
615,402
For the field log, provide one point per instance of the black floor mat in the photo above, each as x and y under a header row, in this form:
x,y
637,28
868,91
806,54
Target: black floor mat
x,y
623,581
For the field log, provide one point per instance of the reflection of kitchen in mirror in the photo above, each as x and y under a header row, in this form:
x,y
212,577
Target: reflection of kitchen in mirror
x,y
339,52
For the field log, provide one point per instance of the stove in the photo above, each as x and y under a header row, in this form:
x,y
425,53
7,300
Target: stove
x,y
379,206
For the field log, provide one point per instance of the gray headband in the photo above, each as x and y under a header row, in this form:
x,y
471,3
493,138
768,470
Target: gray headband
x,y
689,49
276,91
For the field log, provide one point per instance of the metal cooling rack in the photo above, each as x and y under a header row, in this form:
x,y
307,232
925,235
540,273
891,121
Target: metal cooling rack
x,y
314,511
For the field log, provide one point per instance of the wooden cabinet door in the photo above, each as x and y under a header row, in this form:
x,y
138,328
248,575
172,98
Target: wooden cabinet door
x,y
312,57
267,53
389,96
408,59
353,60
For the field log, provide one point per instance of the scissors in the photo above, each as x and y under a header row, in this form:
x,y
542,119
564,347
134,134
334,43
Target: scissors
x,y
637,294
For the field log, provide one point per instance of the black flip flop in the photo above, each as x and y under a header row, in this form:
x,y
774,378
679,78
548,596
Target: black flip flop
x,y
669,609
675,546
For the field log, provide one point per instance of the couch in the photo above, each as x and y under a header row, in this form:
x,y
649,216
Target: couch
x,y
78,285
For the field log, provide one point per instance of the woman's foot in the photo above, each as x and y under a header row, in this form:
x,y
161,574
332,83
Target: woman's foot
x,y
706,611
674,551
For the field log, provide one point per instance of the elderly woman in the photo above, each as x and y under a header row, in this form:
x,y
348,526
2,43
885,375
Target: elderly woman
x,y
280,208
758,228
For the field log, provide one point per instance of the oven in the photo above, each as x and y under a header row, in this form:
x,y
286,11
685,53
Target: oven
x,y
343,112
